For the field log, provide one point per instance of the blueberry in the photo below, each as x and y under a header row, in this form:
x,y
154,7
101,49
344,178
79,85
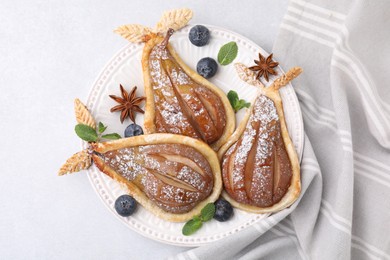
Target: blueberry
x,y
223,210
133,130
199,35
207,67
125,205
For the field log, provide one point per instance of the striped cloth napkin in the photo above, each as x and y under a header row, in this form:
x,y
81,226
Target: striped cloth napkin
x,y
344,209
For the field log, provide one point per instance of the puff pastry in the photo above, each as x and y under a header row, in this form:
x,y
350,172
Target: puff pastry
x,y
180,101
260,167
172,176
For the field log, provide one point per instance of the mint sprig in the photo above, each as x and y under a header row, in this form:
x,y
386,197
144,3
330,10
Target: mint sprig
x,y
86,133
101,128
113,136
207,212
90,134
237,103
227,53
193,225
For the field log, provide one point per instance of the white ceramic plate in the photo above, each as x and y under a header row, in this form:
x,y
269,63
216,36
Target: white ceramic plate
x,y
125,68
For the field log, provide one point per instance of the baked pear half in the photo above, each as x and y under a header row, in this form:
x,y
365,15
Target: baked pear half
x,y
260,167
172,176
178,100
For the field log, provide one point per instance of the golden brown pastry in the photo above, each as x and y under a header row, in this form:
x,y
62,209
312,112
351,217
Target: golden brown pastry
x,y
172,176
260,167
178,100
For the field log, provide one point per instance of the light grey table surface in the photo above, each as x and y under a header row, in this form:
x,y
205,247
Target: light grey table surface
x,y
50,53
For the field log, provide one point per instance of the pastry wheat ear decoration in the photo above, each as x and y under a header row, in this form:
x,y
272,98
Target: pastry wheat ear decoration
x,y
83,116
175,19
249,77
78,162
83,159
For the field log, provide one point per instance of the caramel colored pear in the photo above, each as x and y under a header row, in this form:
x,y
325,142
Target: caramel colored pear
x,y
179,101
172,176
260,167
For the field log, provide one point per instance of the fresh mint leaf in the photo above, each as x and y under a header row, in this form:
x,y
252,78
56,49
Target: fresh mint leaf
x,y
101,127
242,103
227,53
233,98
86,133
207,212
192,226
112,136
235,102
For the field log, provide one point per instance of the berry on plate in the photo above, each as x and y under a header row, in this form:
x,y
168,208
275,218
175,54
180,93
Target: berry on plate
x,y
223,210
207,67
199,35
125,205
133,130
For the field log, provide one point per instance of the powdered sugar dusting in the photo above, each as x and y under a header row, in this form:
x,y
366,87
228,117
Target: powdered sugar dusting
x,y
264,111
179,77
127,162
265,116
176,97
164,181
165,99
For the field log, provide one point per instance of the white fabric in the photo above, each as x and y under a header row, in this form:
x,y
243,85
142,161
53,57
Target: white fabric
x,y
344,209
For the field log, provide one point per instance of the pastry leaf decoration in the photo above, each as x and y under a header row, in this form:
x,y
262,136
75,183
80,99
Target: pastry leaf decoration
x,y
133,32
286,78
86,130
83,116
247,75
175,19
79,161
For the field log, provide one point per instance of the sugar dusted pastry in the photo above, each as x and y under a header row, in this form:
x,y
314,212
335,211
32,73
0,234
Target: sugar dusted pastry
x,y
260,167
172,176
178,100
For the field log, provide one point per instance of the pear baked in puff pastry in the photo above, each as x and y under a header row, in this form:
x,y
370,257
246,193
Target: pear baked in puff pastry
x,y
260,167
178,100
172,176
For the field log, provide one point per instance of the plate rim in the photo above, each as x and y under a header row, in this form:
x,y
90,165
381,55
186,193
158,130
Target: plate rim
x,y
93,170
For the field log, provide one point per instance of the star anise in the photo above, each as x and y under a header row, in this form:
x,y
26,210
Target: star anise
x,y
128,104
264,67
